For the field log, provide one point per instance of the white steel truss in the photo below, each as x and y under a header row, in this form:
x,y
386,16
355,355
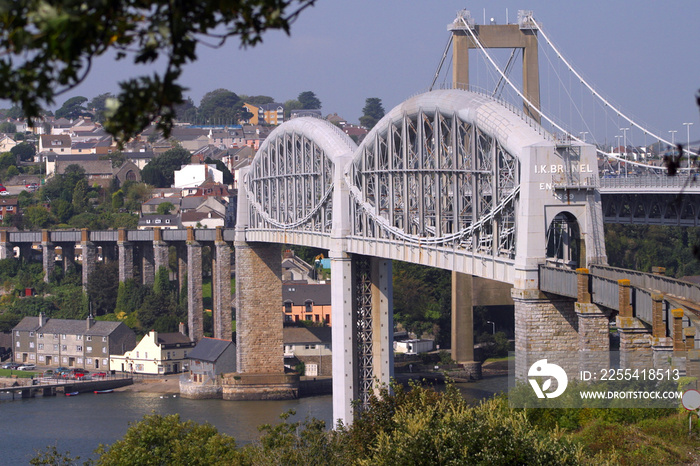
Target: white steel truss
x,y
432,178
290,185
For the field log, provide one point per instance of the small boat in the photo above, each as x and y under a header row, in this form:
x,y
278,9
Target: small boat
x,y
98,392
72,393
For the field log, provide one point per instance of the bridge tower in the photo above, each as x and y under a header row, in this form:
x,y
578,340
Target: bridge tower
x,y
512,36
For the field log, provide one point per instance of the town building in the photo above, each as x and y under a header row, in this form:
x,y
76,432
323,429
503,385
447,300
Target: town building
x,y
85,344
211,358
193,175
156,353
310,348
307,301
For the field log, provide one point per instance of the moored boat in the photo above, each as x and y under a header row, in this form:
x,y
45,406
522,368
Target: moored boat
x,y
98,392
72,393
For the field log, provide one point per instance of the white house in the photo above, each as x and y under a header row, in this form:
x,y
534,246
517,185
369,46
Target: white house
x,y
156,353
193,175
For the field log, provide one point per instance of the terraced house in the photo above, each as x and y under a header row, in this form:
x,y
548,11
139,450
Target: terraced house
x,y
71,343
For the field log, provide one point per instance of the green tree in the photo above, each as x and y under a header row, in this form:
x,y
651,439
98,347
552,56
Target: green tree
x,y
160,440
309,100
220,106
48,50
37,217
102,288
164,208
7,127
24,151
256,99
73,108
291,105
80,195
186,111
372,112
98,106
160,171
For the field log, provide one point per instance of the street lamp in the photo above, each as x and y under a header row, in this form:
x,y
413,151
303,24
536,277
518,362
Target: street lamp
x,y
583,135
624,133
687,127
493,326
617,146
673,137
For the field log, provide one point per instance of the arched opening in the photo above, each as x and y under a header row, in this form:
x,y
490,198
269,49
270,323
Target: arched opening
x,y
564,244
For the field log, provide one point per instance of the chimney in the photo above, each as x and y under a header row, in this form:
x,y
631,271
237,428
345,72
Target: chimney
x,y
181,328
41,319
90,322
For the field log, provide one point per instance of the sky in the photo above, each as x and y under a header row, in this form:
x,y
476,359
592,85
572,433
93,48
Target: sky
x,y
641,54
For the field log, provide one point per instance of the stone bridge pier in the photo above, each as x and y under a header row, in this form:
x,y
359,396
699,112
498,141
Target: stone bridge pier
x,y
259,336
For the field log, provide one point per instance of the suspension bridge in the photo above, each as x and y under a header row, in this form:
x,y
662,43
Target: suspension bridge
x,y
471,181
467,181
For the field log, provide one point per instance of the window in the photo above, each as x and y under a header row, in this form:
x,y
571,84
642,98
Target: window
x,y
145,355
79,360
167,220
17,333
64,348
309,346
104,339
168,355
288,307
89,338
41,346
79,337
137,354
17,345
10,208
309,307
104,362
63,336
41,358
157,220
55,335
89,349
65,360
31,334
31,344
55,347
79,348
88,361
104,349
32,357
148,220
41,335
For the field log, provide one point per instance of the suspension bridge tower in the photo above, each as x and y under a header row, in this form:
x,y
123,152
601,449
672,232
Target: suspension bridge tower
x,y
468,35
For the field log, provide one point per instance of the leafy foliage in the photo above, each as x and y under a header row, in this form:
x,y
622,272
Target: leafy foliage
x,y
641,247
159,440
309,100
160,171
49,49
372,112
422,300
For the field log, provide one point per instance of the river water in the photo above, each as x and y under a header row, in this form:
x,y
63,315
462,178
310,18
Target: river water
x,y
80,423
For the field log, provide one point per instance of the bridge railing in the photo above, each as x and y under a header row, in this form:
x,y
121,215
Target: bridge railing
x,y
605,291
558,280
649,281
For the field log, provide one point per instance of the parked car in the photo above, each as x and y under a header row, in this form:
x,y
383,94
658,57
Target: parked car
x,y
11,365
26,367
4,193
99,374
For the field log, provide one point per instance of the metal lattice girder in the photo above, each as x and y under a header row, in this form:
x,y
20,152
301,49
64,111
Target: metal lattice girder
x,y
432,178
652,209
290,181
364,331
